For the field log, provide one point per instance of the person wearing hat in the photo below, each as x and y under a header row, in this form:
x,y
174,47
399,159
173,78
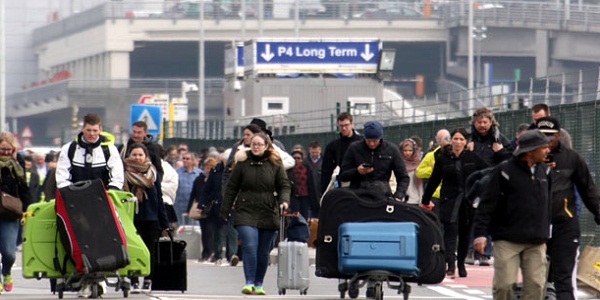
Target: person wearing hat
x,y
515,210
569,171
301,180
370,163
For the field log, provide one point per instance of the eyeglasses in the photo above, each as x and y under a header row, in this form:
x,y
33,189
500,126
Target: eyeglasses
x,y
257,145
186,158
344,125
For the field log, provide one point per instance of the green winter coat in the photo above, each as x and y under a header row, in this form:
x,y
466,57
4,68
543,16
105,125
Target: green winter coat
x,y
254,191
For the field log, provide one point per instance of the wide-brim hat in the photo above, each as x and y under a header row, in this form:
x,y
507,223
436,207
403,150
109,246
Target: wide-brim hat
x,y
530,140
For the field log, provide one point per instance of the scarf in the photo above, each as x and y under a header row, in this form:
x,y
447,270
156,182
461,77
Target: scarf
x,y
89,151
13,166
413,161
139,176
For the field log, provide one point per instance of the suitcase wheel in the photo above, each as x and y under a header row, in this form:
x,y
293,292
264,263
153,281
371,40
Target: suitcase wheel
x,y
304,291
281,291
353,291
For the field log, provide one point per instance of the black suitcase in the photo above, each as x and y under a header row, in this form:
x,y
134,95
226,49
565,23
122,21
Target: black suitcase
x,y
343,205
170,269
89,228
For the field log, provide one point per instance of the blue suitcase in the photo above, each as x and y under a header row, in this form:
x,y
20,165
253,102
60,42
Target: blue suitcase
x,y
387,246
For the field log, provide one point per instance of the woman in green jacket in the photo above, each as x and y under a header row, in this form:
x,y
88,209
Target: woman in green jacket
x,y
258,188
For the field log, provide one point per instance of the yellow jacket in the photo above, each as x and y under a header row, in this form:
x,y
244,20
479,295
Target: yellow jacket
x,y
425,169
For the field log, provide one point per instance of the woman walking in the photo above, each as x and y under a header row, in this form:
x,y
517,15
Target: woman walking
x,y
13,182
257,189
452,167
151,217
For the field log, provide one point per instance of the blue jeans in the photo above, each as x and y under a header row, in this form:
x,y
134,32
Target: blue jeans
x,y
9,230
256,247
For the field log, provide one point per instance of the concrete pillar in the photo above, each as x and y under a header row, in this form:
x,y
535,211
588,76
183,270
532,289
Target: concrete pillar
x,y
542,53
118,68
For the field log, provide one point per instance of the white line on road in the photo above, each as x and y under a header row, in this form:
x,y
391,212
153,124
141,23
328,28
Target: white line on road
x,y
452,293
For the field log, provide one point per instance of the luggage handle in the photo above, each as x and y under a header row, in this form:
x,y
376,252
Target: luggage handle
x,y
282,215
80,185
171,242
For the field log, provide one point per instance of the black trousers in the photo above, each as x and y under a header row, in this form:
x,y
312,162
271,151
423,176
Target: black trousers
x,y
450,230
149,231
562,249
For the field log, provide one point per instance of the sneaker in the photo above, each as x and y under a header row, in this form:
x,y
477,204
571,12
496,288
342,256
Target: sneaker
x,y
84,292
102,288
218,262
258,290
147,287
8,283
470,260
486,261
248,289
234,260
135,288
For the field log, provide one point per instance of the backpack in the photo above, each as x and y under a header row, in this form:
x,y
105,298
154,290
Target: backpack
x,y
475,184
109,140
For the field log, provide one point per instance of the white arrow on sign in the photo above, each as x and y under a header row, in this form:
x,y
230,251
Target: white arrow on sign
x,y
367,55
147,118
267,55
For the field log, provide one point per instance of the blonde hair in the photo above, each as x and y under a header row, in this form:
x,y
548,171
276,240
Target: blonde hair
x,y
9,138
210,162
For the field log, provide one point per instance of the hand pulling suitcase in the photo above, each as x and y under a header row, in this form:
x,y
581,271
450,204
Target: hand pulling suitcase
x,y
292,263
344,205
378,246
170,270
89,228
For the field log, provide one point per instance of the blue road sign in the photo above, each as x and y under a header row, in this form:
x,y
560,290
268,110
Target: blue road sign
x,y
312,56
148,113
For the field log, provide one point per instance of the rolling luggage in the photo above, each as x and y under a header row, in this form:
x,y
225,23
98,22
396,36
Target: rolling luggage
x,y
378,246
89,228
41,245
191,233
170,270
292,263
344,205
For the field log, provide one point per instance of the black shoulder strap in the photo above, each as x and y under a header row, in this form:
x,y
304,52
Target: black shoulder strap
x,y
73,147
71,151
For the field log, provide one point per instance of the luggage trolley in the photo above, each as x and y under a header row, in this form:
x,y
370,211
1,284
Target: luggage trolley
x,y
377,252
43,253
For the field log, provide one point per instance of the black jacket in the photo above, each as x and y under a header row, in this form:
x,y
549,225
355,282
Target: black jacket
x,y
386,158
482,145
452,172
515,207
212,191
333,156
571,171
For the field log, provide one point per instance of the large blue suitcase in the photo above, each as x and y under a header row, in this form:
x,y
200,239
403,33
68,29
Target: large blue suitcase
x,y
387,246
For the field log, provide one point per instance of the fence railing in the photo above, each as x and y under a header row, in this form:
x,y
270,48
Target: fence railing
x,y
530,14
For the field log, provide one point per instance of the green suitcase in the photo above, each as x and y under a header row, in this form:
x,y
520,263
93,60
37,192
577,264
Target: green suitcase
x,y
41,242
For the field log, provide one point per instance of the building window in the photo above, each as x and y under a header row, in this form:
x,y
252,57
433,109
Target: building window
x,y
362,106
275,106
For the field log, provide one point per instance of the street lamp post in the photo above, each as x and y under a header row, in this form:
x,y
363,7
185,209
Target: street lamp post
x,y
479,34
470,58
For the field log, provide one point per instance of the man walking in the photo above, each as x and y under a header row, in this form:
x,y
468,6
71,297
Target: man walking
x,y
569,171
335,150
515,211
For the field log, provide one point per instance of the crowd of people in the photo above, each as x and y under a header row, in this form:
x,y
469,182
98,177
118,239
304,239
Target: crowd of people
x,y
236,194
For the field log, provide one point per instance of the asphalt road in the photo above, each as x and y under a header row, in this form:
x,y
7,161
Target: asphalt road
x,y
210,282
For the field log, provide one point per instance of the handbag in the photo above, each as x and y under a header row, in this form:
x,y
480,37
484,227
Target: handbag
x,y
193,213
207,209
11,207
